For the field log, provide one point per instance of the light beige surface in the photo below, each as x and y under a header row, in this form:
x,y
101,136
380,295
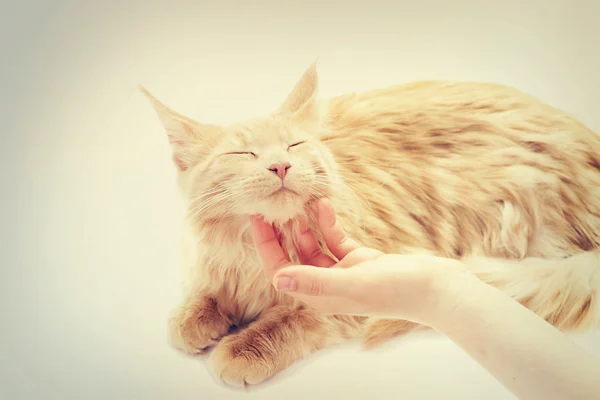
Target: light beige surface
x,y
90,245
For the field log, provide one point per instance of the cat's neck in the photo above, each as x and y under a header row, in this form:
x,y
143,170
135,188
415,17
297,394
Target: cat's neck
x,y
226,242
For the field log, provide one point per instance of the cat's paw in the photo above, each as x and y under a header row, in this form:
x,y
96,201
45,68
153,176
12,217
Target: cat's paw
x,y
195,327
239,360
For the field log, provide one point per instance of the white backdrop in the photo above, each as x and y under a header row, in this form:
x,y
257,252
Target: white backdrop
x,y
91,217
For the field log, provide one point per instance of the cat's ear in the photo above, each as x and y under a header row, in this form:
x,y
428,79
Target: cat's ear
x,y
190,140
301,103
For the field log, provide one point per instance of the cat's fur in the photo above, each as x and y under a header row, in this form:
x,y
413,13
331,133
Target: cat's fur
x,y
475,171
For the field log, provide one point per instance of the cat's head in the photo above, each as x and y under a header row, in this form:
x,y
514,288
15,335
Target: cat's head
x,y
270,166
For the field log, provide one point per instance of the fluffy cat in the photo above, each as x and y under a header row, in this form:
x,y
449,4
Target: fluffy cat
x,y
475,171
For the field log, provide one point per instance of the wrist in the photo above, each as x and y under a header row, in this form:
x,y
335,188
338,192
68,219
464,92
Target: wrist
x,y
448,284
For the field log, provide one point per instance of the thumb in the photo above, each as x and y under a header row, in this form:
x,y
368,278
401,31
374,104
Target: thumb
x,y
315,281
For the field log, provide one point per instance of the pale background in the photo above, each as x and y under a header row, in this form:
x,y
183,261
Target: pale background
x,y
90,214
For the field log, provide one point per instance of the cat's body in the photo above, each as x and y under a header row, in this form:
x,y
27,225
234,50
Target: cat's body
x,y
474,171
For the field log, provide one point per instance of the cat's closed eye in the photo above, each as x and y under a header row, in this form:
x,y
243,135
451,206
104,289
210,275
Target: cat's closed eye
x,y
240,153
295,144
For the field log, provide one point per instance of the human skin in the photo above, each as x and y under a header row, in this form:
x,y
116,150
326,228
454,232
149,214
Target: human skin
x,y
525,353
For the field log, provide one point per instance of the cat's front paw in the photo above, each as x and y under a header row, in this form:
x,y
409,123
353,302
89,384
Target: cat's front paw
x,y
196,326
239,360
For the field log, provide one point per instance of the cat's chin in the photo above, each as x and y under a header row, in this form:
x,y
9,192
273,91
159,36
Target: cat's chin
x,y
280,207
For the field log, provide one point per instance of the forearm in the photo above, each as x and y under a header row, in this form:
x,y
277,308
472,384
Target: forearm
x,y
524,352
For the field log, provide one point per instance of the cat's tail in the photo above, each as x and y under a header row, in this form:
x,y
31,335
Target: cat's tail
x,y
564,292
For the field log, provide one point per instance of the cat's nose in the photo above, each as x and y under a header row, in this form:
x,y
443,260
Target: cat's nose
x,y
280,169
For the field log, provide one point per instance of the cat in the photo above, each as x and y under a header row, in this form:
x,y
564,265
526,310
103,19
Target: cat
x,y
474,171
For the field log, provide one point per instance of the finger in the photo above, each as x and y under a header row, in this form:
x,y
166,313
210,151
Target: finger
x,y
311,281
337,241
269,250
309,250
331,305
358,256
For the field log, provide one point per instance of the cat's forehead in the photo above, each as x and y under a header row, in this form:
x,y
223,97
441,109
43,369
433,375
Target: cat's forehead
x,y
262,132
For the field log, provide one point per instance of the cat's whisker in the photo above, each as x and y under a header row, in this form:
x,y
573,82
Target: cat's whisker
x,y
197,209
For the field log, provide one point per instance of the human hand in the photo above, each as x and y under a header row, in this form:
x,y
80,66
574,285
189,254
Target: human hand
x,y
386,285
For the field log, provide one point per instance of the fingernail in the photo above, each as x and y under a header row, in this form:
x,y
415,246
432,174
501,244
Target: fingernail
x,y
324,204
302,225
285,284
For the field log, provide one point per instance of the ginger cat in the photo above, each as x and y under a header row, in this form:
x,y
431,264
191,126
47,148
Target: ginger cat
x,y
475,171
